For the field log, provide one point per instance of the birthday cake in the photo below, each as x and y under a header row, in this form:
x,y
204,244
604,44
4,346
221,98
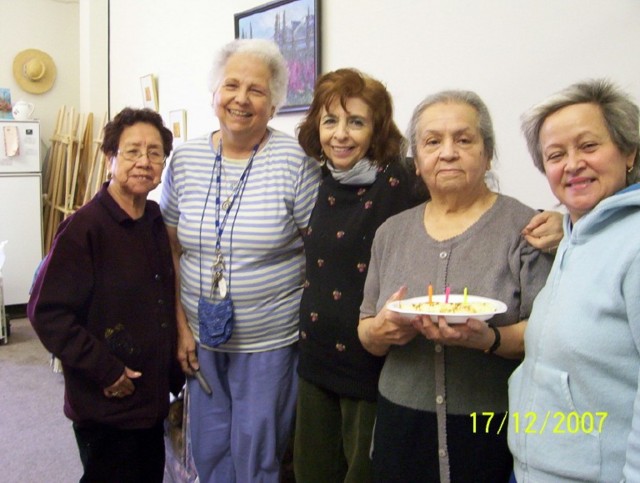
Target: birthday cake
x,y
450,308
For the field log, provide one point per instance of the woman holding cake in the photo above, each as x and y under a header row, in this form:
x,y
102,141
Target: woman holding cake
x,y
435,375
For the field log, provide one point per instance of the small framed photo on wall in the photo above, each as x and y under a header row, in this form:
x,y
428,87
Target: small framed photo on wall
x,y
149,91
5,103
178,126
295,26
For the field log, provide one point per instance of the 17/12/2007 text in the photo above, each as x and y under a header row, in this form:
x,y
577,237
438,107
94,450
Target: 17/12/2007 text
x,y
557,422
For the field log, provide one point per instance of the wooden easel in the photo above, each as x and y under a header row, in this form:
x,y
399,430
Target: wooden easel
x,y
50,167
74,171
98,172
61,187
82,166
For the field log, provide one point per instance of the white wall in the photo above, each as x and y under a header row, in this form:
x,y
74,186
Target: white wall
x,y
93,52
50,26
512,52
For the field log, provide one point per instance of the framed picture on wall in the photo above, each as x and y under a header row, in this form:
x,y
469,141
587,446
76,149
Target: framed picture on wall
x,y
295,26
149,91
5,103
178,126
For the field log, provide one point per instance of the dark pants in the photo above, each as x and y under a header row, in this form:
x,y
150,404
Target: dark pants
x,y
112,455
333,437
406,448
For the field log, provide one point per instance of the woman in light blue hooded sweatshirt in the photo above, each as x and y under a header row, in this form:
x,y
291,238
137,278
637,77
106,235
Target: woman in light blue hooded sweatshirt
x,y
574,404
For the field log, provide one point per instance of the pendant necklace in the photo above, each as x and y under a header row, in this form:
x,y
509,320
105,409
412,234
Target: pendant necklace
x,y
232,187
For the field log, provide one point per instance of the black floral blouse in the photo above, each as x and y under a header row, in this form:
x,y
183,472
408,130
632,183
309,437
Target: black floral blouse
x,y
338,246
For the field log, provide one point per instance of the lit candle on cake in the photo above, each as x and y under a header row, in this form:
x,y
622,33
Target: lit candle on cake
x,y
447,292
430,292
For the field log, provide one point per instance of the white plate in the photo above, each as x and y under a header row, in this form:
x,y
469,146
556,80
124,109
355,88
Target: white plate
x,y
419,306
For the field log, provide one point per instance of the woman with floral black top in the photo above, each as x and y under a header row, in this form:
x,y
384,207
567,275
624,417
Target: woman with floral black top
x,y
350,129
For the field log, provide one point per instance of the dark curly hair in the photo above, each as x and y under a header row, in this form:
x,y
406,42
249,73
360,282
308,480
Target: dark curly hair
x,y
128,117
387,144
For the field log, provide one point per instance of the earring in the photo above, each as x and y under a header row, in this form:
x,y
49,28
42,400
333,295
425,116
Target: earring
x,y
630,169
323,158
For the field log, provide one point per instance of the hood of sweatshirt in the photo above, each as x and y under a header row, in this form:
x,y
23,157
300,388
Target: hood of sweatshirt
x,y
610,210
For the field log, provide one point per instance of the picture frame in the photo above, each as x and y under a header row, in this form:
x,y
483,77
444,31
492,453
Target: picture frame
x,y
149,91
295,26
5,103
178,126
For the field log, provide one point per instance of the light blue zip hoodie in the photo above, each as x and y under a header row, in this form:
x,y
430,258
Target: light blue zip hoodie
x,y
574,403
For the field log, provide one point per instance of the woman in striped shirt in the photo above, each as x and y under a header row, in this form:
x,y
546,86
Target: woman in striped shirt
x,y
236,202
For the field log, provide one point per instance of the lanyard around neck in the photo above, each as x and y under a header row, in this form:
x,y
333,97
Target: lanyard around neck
x,y
239,189
218,264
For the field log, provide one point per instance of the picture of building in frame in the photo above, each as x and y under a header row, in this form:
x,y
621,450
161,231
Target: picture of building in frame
x,y
294,26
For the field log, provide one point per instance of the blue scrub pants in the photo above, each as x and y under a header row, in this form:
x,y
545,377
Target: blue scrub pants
x,y
241,431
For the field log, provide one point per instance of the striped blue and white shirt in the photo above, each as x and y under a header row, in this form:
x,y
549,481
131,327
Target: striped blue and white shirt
x,y
261,242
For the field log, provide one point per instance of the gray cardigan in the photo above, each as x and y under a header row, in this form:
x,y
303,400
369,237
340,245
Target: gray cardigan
x,y
491,259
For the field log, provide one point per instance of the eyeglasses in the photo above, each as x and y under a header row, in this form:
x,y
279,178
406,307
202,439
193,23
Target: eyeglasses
x,y
133,155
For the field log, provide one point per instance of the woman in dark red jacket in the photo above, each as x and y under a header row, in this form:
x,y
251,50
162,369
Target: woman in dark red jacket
x,y
103,303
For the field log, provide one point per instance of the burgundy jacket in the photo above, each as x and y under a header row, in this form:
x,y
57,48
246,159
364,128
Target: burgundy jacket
x,y
104,298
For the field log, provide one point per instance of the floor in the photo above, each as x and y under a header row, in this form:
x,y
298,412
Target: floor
x,y
37,442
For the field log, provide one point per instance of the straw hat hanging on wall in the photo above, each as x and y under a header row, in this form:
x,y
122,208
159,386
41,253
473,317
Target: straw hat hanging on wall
x,y
34,71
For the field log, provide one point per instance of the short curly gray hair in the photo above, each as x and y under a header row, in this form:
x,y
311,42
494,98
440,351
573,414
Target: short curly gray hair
x,y
485,125
264,50
619,112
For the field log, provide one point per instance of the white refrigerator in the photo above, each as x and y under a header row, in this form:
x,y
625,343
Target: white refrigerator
x,y
20,206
